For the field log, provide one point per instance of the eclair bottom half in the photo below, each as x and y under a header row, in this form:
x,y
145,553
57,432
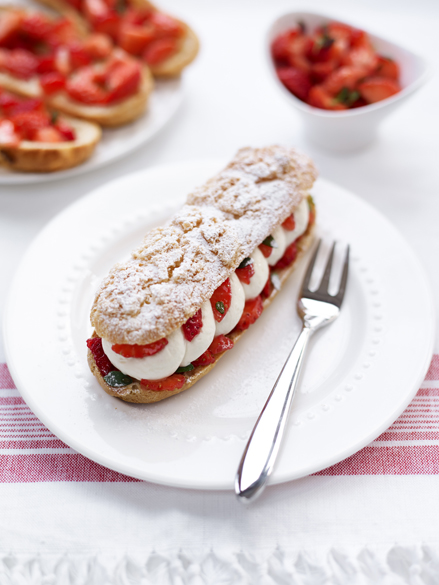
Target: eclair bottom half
x,y
138,393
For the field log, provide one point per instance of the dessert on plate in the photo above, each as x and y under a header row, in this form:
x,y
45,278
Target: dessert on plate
x,y
165,317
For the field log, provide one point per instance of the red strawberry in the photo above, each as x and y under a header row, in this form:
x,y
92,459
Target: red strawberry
x,y
280,48
319,98
123,80
66,131
159,51
103,363
204,360
266,291
134,38
174,382
193,326
295,81
252,311
36,26
9,25
47,134
8,134
266,250
28,123
387,68
82,88
290,223
220,344
19,62
244,274
52,82
288,257
375,89
221,300
139,351
165,26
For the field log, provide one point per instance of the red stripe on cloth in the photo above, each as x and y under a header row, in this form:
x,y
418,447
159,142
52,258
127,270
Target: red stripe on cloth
x,y
433,370
12,400
5,378
55,467
47,443
407,460
428,392
409,436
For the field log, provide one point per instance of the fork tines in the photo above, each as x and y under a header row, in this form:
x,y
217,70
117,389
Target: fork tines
x,y
322,292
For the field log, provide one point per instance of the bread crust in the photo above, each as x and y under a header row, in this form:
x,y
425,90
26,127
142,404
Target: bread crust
x,y
136,393
171,67
45,157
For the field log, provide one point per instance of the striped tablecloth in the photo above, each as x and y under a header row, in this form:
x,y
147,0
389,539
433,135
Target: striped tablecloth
x,y
29,452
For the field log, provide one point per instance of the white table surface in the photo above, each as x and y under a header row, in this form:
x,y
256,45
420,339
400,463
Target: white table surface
x,y
353,529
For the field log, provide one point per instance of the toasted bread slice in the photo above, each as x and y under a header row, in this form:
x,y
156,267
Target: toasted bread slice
x,y
137,393
170,67
44,157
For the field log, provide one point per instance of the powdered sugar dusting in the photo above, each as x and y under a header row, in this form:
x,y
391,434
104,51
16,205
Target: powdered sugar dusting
x,y
178,267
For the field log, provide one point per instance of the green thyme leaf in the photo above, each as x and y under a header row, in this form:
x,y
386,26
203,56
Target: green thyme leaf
x,y
118,379
219,306
245,262
347,97
302,26
270,241
183,369
54,117
120,6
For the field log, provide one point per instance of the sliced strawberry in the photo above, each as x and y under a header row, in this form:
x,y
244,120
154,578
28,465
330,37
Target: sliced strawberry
x,y
193,326
299,51
137,16
66,131
363,57
280,47
220,344
8,134
246,272
321,70
9,26
165,26
139,351
288,257
221,300
319,98
28,123
36,26
123,81
82,88
266,250
24,105
290,223
103,363
52,82
159,51
375,89
98,46
134,38
20,62
387,67
252,311
205,359
347,76
48,134
79,57
8,101
174,382
295,81
46,64
101,17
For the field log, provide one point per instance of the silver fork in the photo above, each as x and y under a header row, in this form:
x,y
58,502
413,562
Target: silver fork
x,y
316,309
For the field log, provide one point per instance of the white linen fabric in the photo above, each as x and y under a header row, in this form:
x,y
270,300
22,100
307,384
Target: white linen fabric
x,y
360,529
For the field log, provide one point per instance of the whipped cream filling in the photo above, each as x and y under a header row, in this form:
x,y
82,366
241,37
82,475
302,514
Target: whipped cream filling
x,y
152,367
236,308
301,217
259,278
180,352
277,253
200,342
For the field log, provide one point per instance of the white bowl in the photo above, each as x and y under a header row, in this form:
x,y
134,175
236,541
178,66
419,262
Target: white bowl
x,y
349,129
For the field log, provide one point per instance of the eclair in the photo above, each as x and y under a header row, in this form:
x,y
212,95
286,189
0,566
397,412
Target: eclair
x,y
164,318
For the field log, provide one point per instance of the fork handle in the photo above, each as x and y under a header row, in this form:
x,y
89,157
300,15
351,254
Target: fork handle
x,y
263,445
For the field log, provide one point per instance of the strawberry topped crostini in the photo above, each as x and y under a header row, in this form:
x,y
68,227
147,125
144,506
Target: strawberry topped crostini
x,y
167,45
84,76
35,139
165,317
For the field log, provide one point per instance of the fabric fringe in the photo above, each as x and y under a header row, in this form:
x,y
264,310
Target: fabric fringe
x,y
417,565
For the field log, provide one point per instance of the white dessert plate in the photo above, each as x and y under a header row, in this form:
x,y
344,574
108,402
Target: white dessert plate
x,y
116,142
360,373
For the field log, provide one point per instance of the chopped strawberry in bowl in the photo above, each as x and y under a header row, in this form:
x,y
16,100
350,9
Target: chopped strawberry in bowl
x,y
341,79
